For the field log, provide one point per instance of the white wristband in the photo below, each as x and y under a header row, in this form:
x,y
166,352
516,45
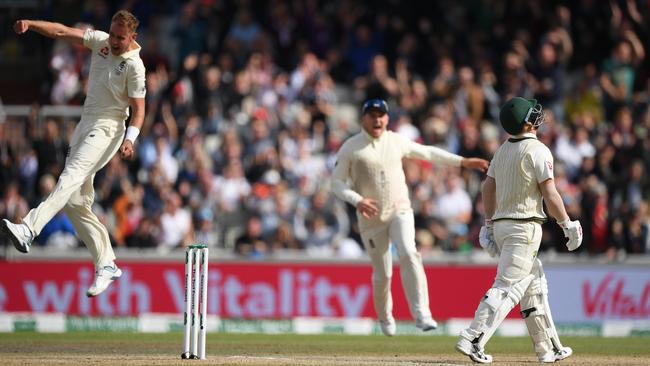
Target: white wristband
x,y
132,133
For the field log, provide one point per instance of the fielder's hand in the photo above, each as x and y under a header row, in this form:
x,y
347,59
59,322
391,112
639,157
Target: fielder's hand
x,y
368,207
475,163
573,231
126,150
486,239
21,26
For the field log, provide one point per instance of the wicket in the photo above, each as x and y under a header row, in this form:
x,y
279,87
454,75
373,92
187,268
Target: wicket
x,y
196,266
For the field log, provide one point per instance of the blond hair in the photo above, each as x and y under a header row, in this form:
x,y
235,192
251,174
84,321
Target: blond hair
x,y
127,19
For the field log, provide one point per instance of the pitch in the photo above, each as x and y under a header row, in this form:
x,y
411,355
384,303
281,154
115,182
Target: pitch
x,y
289,349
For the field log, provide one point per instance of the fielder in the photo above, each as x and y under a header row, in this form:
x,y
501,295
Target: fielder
x,y
372,163
116,81
520,179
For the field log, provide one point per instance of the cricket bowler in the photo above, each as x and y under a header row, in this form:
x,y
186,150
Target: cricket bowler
x,y
116,81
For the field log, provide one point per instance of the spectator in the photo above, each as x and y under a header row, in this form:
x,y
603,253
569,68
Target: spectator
x,y
243,35
251,243
284,238
190,31
51,149
205,231
231,188
13,206
319,235
584,100
176,229
454,206
618,77
572,149
468,98
364,43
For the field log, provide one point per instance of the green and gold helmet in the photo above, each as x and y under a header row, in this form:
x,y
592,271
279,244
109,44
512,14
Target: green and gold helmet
x,y
519,111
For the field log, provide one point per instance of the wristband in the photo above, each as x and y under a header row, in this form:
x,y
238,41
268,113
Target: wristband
x,y
132,133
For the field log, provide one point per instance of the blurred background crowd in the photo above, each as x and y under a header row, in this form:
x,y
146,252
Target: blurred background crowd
x,y
248,102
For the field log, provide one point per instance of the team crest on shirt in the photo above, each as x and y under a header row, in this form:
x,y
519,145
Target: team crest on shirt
x,y
103,52
549,165
120,68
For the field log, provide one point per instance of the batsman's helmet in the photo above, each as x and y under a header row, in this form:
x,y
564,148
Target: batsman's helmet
x,y
519,111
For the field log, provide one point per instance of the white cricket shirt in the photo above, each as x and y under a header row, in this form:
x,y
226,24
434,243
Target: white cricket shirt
x,y
373,168
518,166
112,80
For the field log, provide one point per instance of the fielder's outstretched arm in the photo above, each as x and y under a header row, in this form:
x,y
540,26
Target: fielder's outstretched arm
x,y
50,29
437,155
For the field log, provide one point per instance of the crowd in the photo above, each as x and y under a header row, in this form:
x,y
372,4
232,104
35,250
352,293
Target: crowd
x,y
248,102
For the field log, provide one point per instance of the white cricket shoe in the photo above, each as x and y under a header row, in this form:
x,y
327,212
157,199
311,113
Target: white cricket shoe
x,y
558,355
20,234
475,353
426,324
388,326
104,276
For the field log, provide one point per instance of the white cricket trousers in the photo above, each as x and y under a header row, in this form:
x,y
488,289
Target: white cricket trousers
x,y
518,242
94,142
399,230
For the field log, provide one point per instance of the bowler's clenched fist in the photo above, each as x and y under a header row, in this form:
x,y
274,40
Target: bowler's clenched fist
x,y
21,26
126,150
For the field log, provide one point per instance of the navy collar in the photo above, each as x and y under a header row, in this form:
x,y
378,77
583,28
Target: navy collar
x,y
522,137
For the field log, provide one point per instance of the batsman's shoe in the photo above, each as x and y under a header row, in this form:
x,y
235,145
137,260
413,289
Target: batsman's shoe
x,y
472,350
104,276
426,324
388,327
558,355
20,234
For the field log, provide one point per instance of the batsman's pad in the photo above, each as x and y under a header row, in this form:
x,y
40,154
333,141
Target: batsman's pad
x,y
496,304
537,313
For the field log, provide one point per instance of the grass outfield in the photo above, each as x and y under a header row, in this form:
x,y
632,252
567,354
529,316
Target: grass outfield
x,y
289,349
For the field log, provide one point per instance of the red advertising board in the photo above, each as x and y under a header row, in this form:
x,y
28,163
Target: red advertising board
x,y
235,290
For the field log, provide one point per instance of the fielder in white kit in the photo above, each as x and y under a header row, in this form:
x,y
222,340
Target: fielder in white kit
x,y
372,162
519,181
116,81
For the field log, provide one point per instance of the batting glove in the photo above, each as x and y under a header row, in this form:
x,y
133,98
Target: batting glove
x,y
573,231
486,239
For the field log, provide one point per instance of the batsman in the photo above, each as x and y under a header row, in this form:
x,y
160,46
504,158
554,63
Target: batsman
x,y
116,81
519,180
